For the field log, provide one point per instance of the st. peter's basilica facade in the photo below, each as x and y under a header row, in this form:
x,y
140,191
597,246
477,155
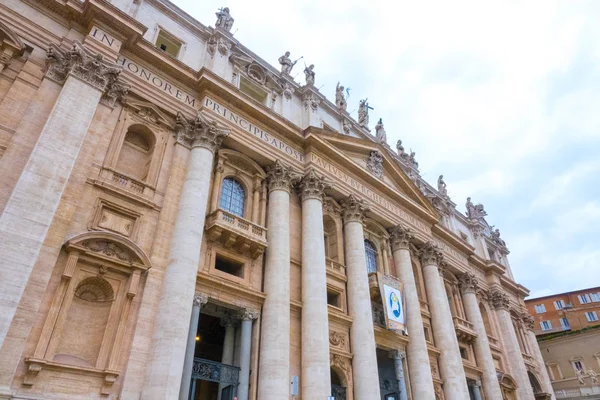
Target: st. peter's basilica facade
x,y
181,220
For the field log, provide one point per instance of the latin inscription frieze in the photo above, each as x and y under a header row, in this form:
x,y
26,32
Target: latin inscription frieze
x,y
369,193
249,127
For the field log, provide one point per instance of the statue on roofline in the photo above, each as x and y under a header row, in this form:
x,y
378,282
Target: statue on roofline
x,y
224,19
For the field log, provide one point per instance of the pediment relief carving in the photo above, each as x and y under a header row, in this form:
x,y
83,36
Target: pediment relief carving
x,y
149,112
110,246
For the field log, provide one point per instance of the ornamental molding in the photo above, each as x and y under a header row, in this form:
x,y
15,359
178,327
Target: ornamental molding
x,y
499,300
337,339
400,237
280,177
88,67
313,186
375,163
311,101
354,209
430,254
110,249
199,132
468,282
340,362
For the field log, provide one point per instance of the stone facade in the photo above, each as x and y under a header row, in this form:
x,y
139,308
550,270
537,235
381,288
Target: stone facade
x,y
179,219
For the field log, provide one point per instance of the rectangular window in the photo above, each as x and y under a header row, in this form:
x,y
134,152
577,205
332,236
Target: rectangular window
x,y
253,90
334,299
564,323
546,325
228,266
591,316
464,353
578,365
595,297
540,308
584,298
559,304
168,43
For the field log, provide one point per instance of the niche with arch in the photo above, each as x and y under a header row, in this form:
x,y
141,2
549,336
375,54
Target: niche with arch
x,y
137,149
90,310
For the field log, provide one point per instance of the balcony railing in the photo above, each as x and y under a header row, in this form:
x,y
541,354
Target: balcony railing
x,y
207,370
124,182
494,342
236,232
335,266
464,329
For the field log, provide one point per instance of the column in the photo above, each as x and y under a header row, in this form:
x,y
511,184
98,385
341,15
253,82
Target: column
x,y
190,349
362,337
529,322
274,362
500,303
417,353
32,204
477,392
451,367
398,357
245,352
228,322
167,351
491,386
316,379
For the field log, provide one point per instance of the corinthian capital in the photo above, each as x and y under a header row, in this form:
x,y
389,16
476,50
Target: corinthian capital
x,y
249,314
353,209
499,300
200,299
313,186
400,237
528,321
90,68
468,282
280,177
430,254
199,132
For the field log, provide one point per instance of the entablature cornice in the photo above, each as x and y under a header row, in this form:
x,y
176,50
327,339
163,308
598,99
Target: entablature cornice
x,y
214,287
453,239
130,29
389,340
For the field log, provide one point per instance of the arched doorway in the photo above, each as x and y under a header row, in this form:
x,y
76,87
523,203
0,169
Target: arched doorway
x,y
338,390
509,387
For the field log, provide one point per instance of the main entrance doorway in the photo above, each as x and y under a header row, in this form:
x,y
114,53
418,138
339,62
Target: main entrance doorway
x,y
215,375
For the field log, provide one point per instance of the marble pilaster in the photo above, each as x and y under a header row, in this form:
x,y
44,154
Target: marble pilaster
x,y
316,381
451,367
31,207
362,337
491,386
167,352
274,362
188,365
417,353
500,303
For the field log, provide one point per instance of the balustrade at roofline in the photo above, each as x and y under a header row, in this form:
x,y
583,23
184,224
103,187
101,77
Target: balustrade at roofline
x,y
234,231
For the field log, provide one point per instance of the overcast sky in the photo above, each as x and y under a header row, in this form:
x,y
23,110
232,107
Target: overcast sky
x,y
502,97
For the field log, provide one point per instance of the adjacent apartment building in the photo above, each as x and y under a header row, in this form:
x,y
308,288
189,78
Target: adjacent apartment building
x,y
568,331
179,219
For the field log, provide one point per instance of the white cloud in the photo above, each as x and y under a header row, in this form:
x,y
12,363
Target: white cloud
x,y
500,97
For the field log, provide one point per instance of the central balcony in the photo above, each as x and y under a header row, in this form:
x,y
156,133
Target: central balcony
x,y
236,232
225,376
464,330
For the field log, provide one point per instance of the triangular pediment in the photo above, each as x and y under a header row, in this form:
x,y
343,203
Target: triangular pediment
x,y
377,160
148,112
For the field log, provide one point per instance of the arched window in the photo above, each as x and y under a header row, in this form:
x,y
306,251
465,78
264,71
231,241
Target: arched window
x,y
371,255
233,197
